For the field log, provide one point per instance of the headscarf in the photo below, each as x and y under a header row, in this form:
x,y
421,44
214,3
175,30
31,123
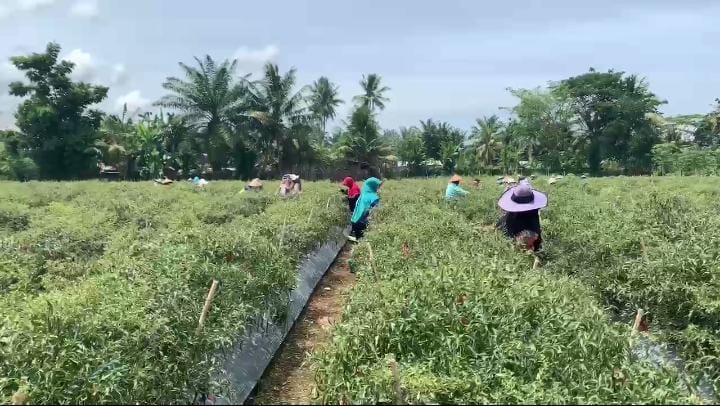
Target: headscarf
x,y
368,199
353,188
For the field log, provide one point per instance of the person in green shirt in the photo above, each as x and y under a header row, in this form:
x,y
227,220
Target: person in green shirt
x,y
454,190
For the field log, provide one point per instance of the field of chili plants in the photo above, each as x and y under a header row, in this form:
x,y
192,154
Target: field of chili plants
x,y
446,311
102,284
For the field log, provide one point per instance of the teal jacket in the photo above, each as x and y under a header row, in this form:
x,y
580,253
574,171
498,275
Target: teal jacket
x,y
453,191
368,199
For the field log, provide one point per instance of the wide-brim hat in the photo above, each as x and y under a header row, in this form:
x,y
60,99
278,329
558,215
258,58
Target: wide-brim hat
x,y
255,183
522,198
509,179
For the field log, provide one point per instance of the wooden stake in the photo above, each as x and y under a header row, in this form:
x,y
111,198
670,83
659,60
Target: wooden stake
x,y
638,321
206,307
396,381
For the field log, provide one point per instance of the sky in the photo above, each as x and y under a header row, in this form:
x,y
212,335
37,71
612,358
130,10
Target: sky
x,y
448,60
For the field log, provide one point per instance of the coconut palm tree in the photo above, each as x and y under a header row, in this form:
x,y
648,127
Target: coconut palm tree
x,y
373,92
208,98
323,101
362,144
485,134
282,116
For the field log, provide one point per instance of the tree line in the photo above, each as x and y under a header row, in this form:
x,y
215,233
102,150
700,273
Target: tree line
x,y
217,122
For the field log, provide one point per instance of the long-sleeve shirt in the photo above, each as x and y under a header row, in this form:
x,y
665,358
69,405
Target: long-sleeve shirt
x,y
453,191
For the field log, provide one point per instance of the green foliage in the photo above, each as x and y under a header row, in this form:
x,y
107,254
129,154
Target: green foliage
x,y
613,110
323,101
57,126
469,322
373,93
209,98
688,160
485,136
411,150
435,134
101,284
283,117
362,144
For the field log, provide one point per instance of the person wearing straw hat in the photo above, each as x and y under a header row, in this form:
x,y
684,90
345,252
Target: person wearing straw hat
x,y
254,185
521,215
290,186
454,190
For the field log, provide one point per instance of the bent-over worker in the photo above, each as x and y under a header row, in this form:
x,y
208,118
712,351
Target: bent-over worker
x,y
521,215
254,185
353,192
290,186
369,199
454,190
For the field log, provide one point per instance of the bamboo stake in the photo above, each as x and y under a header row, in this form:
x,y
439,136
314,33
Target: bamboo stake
x,y
206,307
638,320
396,381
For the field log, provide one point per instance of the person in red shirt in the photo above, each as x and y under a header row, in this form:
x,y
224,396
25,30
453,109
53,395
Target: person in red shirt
x,y
353,192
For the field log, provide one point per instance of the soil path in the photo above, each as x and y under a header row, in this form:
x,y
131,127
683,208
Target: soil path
x,y
289,380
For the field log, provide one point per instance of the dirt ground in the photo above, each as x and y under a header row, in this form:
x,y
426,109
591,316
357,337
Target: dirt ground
x,y
290,380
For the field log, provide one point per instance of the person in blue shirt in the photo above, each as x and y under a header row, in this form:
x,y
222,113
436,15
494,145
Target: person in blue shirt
x,y
369,199
454,190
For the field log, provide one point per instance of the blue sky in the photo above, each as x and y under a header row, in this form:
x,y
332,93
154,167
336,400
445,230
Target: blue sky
x,y
449,60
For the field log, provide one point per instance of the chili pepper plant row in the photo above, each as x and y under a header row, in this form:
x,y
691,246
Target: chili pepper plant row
x,y
102,284
446,311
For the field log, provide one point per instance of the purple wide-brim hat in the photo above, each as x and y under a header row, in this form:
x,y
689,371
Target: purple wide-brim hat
x,y
522,198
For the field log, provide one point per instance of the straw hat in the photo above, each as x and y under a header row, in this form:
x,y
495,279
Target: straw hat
x,y
455,178
509,179
255,183
552,181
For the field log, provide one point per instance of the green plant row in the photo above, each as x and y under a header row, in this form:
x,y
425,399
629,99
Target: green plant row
x,y
466,319
103,284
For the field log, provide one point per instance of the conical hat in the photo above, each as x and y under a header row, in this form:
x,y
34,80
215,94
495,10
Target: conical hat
x,y
255,183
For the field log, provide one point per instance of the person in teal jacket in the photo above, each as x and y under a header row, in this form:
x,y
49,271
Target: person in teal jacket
x,y
454,190
369,199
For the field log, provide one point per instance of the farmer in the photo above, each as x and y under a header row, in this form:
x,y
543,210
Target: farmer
x,y
290,186
369,199
199,182
454,190
353,192
255,185
521,215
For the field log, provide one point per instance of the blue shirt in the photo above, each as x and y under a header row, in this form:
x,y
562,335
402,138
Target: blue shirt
x,y
454,191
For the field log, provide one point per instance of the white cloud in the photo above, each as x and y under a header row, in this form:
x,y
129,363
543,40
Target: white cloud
x,y
119,75
8,103
134,100
85,65
252,60
4,11
30,5
8,73
10,7
85,9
